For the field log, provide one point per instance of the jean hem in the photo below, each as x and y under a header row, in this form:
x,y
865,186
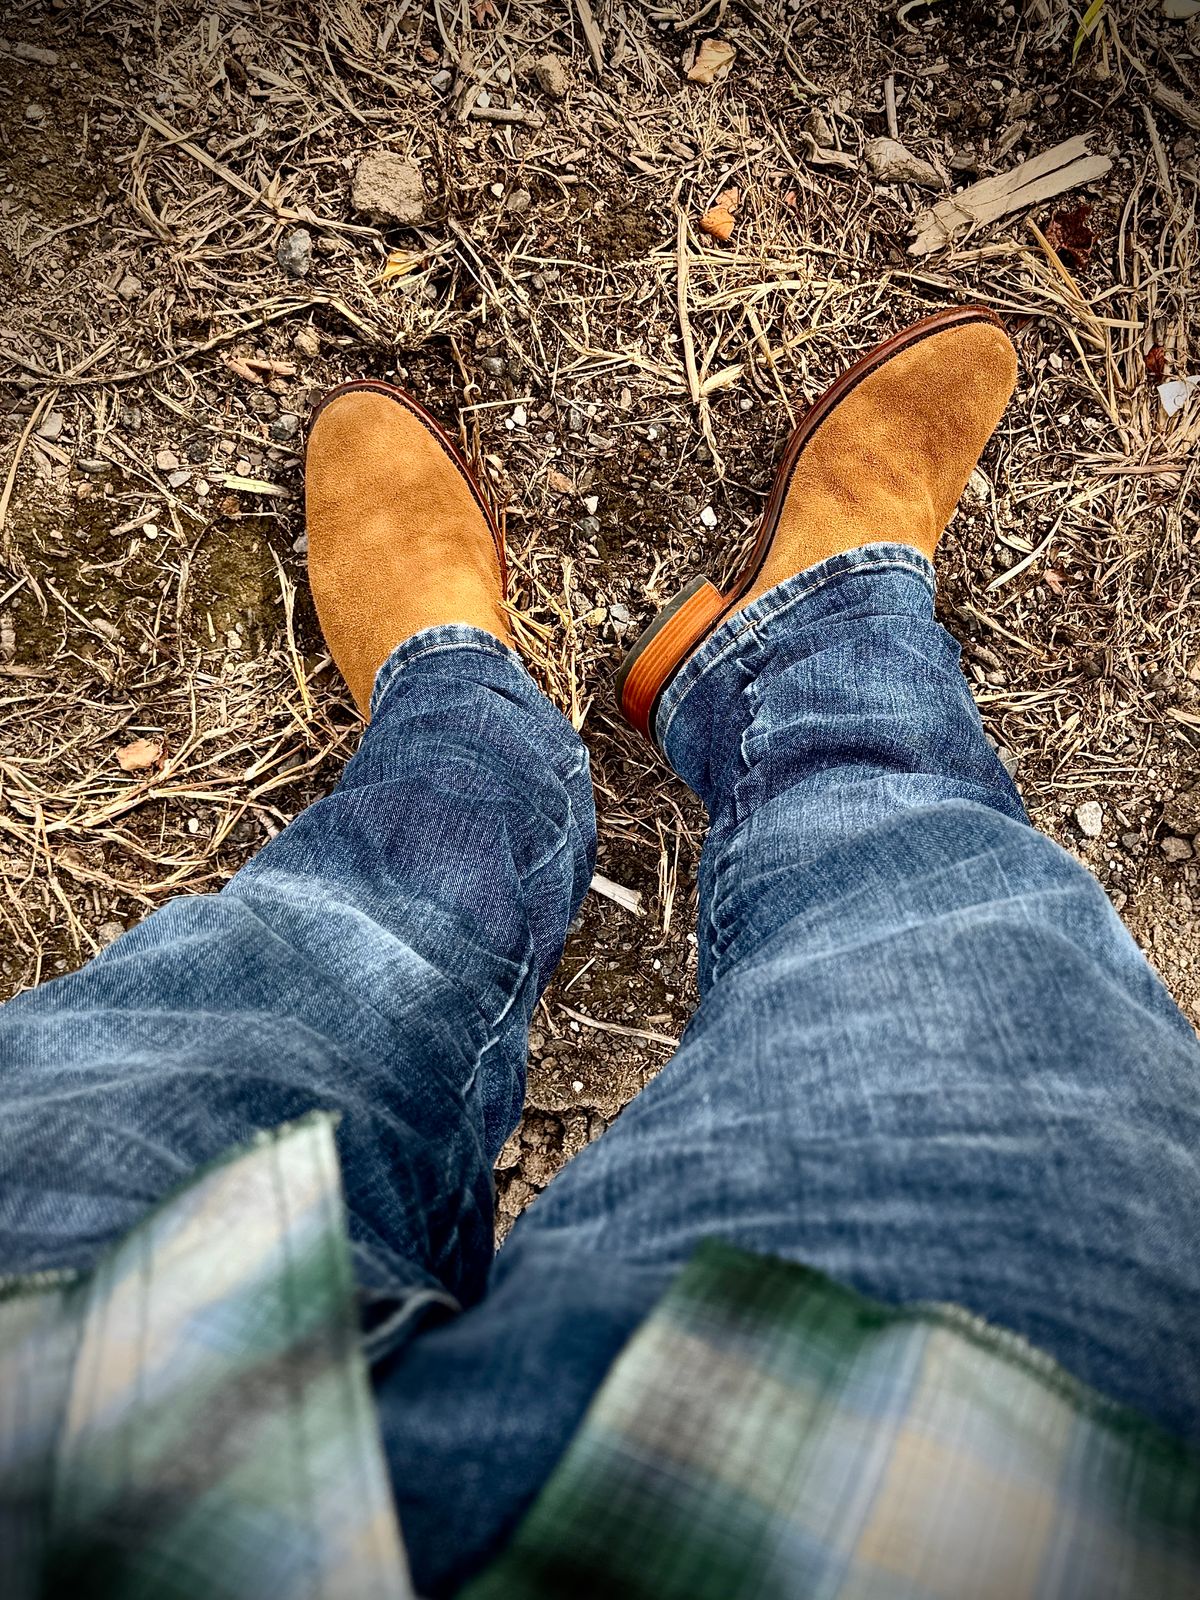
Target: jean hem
x,y
445,636
797,590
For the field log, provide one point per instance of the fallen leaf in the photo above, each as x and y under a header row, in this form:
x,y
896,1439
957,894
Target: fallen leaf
x,y
241,370
484,11
791,198
275,369
1055,580
399,264
713,61
1156,363
717,221
139,755
1070,235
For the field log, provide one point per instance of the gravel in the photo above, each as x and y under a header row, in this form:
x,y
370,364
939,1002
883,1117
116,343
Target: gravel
x,y
294,254
1090,817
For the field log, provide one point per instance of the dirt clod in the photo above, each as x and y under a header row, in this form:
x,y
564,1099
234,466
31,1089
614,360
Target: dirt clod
x,y
387,188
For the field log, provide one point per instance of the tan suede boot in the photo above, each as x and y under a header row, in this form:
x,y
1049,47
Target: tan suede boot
x,y
883,455
400,537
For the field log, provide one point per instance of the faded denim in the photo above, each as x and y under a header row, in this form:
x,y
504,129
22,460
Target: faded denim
x,y
929,1059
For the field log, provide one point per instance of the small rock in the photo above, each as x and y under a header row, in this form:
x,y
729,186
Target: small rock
x,y
307,340
551,75
130,288
441,80
978,487
592,504
107,932
708,517
890,162
130,416
387,188
294,254
178,479
497,191
493,364
1175,849
1090,817
285,426
519,201
817,123
1131,841
589,527
35,112
1182,812
519,417
1009,760
94,466
166,461
51,426
198,451
300,546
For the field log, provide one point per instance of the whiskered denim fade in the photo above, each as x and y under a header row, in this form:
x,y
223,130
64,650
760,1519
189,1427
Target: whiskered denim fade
x,y
929,1059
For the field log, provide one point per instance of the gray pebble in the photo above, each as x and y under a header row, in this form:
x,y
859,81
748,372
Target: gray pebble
x,y
1131,841
1175,849
589,527
51,426
93,465
294,254
301,545
35,112
492,364
107,932
285,426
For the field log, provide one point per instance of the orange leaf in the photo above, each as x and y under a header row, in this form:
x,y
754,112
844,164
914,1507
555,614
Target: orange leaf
x,y
717,222
139,755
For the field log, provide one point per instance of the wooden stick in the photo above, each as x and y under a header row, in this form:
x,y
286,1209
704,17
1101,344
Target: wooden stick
x,y
682,264
595,39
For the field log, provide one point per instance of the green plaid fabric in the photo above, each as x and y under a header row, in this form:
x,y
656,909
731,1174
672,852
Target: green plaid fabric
x,y
193,1421
194,1418
768,1433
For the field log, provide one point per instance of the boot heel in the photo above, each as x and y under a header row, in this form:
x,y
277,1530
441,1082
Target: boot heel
x,y
662,649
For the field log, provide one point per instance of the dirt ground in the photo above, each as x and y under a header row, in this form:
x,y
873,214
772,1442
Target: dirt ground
x,y
183,270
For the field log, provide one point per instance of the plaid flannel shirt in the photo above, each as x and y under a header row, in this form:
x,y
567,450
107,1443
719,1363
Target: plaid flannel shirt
x,y
194,1419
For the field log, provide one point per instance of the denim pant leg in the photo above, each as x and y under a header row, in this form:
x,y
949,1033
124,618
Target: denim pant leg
x,y
380,958
929,1060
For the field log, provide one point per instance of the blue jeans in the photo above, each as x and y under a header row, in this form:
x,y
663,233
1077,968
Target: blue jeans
x,y
929,1060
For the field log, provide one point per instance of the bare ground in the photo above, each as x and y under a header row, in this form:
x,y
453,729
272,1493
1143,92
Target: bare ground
x,y
560,305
